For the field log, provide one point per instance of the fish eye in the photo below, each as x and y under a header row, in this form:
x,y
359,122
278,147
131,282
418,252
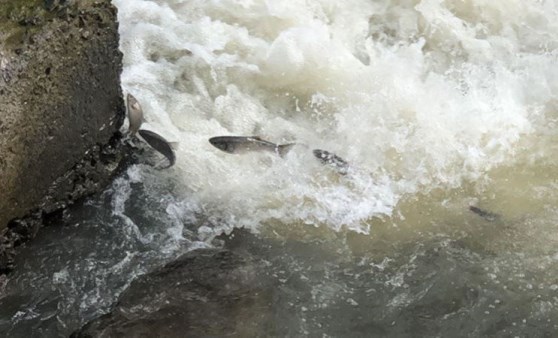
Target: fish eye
x,y
220,145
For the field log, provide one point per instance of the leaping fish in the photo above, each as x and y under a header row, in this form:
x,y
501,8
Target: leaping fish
x,y
244,144
331,159
135,114
158,143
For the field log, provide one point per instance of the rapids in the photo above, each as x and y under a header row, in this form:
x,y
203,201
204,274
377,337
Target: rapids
x,y
437,106
417,96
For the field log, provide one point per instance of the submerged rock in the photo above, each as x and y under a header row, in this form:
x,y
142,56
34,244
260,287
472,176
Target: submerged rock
x,y
206,292
60,108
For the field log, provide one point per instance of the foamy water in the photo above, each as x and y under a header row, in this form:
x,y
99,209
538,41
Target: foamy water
x,y
437,105
416,95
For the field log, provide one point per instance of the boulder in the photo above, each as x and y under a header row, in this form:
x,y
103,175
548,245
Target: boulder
x,y
204,293
61,105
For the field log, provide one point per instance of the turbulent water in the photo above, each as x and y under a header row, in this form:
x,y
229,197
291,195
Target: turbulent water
x,y
417,96
437,106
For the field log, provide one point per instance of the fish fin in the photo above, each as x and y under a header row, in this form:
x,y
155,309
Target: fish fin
x,y
283,149
174,145
159,166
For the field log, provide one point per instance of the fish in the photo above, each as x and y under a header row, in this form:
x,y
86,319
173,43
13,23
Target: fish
x,y
331,159
135,114
244,144
158,143
487,215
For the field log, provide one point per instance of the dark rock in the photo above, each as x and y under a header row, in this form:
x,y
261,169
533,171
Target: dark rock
x,y
60,108
7,253
206,292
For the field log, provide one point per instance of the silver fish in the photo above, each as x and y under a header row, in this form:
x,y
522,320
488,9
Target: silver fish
x,y
244,144
158,143
331,159
135,114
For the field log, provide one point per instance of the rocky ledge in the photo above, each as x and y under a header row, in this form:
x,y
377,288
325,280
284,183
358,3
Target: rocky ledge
x,y
204,293
60,110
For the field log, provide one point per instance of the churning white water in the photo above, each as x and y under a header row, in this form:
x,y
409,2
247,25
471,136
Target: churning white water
x,y
416,95
437,106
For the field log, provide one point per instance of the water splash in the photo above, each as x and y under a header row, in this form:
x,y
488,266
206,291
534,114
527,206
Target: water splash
x,y
420,96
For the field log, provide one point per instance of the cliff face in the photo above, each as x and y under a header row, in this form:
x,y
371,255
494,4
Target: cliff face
x,y
60,103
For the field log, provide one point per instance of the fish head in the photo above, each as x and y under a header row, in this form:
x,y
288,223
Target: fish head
x,y
222,143
133,104
135,114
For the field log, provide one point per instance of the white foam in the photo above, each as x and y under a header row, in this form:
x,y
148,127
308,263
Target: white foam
x,y
415,97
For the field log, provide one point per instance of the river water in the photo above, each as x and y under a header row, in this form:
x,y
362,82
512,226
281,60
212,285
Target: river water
x,y
437,106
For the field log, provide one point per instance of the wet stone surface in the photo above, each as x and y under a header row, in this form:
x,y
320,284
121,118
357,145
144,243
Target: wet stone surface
x,y
61,109
206,292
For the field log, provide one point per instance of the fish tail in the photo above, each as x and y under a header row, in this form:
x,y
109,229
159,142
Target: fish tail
x,y
283,149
